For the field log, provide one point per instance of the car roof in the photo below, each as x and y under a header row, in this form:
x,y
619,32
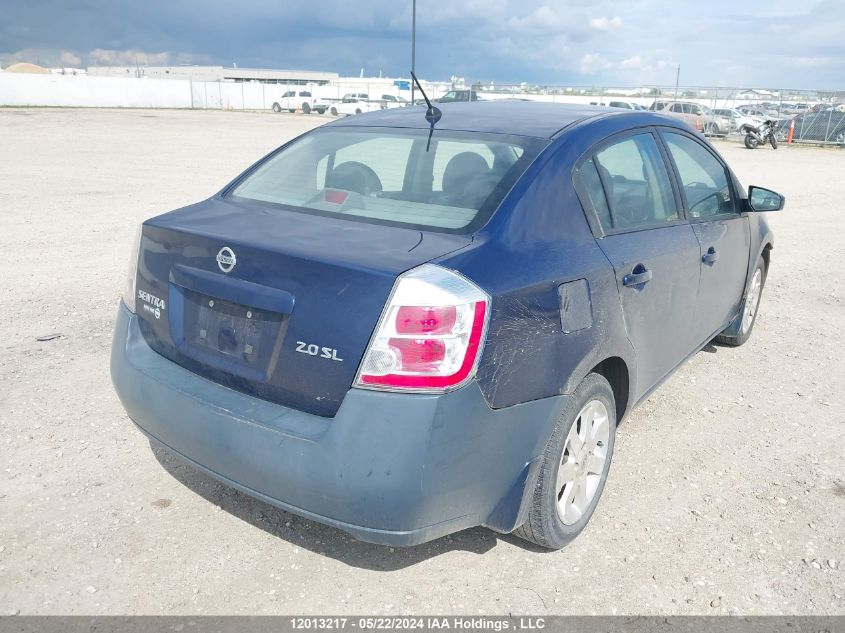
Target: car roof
x,y
519,118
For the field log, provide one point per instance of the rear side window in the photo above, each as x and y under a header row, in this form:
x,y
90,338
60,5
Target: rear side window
x,y
393,176
703,178
636,184
593,189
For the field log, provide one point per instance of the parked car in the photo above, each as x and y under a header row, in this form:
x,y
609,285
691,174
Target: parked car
x,y
303,100
403,331
759,111
627,105
696,115
737,118
392,101
353,105
458,95
823,126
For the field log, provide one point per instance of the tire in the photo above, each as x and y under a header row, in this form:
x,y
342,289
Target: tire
x,y
710,130
277,107
357,110
553,521
773,141
751,142
292,110
840,139
750,307
306,108
333,111
320,110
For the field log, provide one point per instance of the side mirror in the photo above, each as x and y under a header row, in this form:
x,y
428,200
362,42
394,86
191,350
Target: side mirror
x,y
760,199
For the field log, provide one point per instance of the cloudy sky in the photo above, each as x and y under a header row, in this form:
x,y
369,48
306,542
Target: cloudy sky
x,y
776,43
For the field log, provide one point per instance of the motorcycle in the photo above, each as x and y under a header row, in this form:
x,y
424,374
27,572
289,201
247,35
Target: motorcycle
x,y
756,136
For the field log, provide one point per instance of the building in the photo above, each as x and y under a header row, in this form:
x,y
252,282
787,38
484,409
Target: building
x,y
218,73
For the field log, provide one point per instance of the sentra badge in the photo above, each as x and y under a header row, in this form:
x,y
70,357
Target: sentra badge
x,y
152,304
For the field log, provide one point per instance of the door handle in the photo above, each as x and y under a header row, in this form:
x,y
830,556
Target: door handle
x,y
710,256
637,277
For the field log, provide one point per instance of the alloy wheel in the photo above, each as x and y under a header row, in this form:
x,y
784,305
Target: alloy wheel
x,y
752,300
583,462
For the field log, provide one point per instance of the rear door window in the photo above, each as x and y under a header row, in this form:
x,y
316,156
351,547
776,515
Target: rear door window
x,y
589,185
636,185
704,179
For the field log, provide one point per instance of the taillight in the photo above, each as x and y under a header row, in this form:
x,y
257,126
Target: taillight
x,y
129,287
430,335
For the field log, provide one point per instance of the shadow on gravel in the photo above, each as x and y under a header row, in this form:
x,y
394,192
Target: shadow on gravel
x,y
322,539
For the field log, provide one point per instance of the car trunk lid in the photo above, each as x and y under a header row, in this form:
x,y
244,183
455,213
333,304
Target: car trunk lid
x,y
276,303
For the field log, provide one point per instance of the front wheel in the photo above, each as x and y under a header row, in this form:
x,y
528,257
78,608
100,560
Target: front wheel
x,y
751,142
750,307
306,108
575,466
333,111
773,141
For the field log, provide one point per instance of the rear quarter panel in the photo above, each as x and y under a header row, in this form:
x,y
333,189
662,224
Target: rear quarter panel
x,y
538,240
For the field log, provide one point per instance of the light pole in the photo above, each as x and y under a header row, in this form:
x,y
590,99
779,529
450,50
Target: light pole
x,y
413,44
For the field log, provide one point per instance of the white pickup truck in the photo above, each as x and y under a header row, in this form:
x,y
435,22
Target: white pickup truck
x,y
294,100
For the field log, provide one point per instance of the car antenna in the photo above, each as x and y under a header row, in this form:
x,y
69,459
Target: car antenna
x,y
432,115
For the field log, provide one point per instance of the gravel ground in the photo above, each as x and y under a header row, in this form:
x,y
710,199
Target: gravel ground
x,y
727,493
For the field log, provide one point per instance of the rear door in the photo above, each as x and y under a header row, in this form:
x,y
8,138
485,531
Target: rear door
x,y
652,248
723,234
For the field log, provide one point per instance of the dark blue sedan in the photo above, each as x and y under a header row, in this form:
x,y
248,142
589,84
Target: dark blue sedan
x,y
404,330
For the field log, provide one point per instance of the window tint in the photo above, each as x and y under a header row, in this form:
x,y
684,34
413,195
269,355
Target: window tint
x,y
447,150
703,178
387,156
387,176
636,184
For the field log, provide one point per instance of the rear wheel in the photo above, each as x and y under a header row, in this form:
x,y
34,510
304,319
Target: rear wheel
x,y
277,107
773,141
292,110
357,110
750,307
333,111
710,129
575,467
751,142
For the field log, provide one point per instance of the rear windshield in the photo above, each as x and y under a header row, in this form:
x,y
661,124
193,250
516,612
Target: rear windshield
x,y
392,176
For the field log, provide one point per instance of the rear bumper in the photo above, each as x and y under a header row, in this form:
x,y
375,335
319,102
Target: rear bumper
x,y
389,468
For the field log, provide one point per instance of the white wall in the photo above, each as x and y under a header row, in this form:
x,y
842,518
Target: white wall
x,y
21,89
17,89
